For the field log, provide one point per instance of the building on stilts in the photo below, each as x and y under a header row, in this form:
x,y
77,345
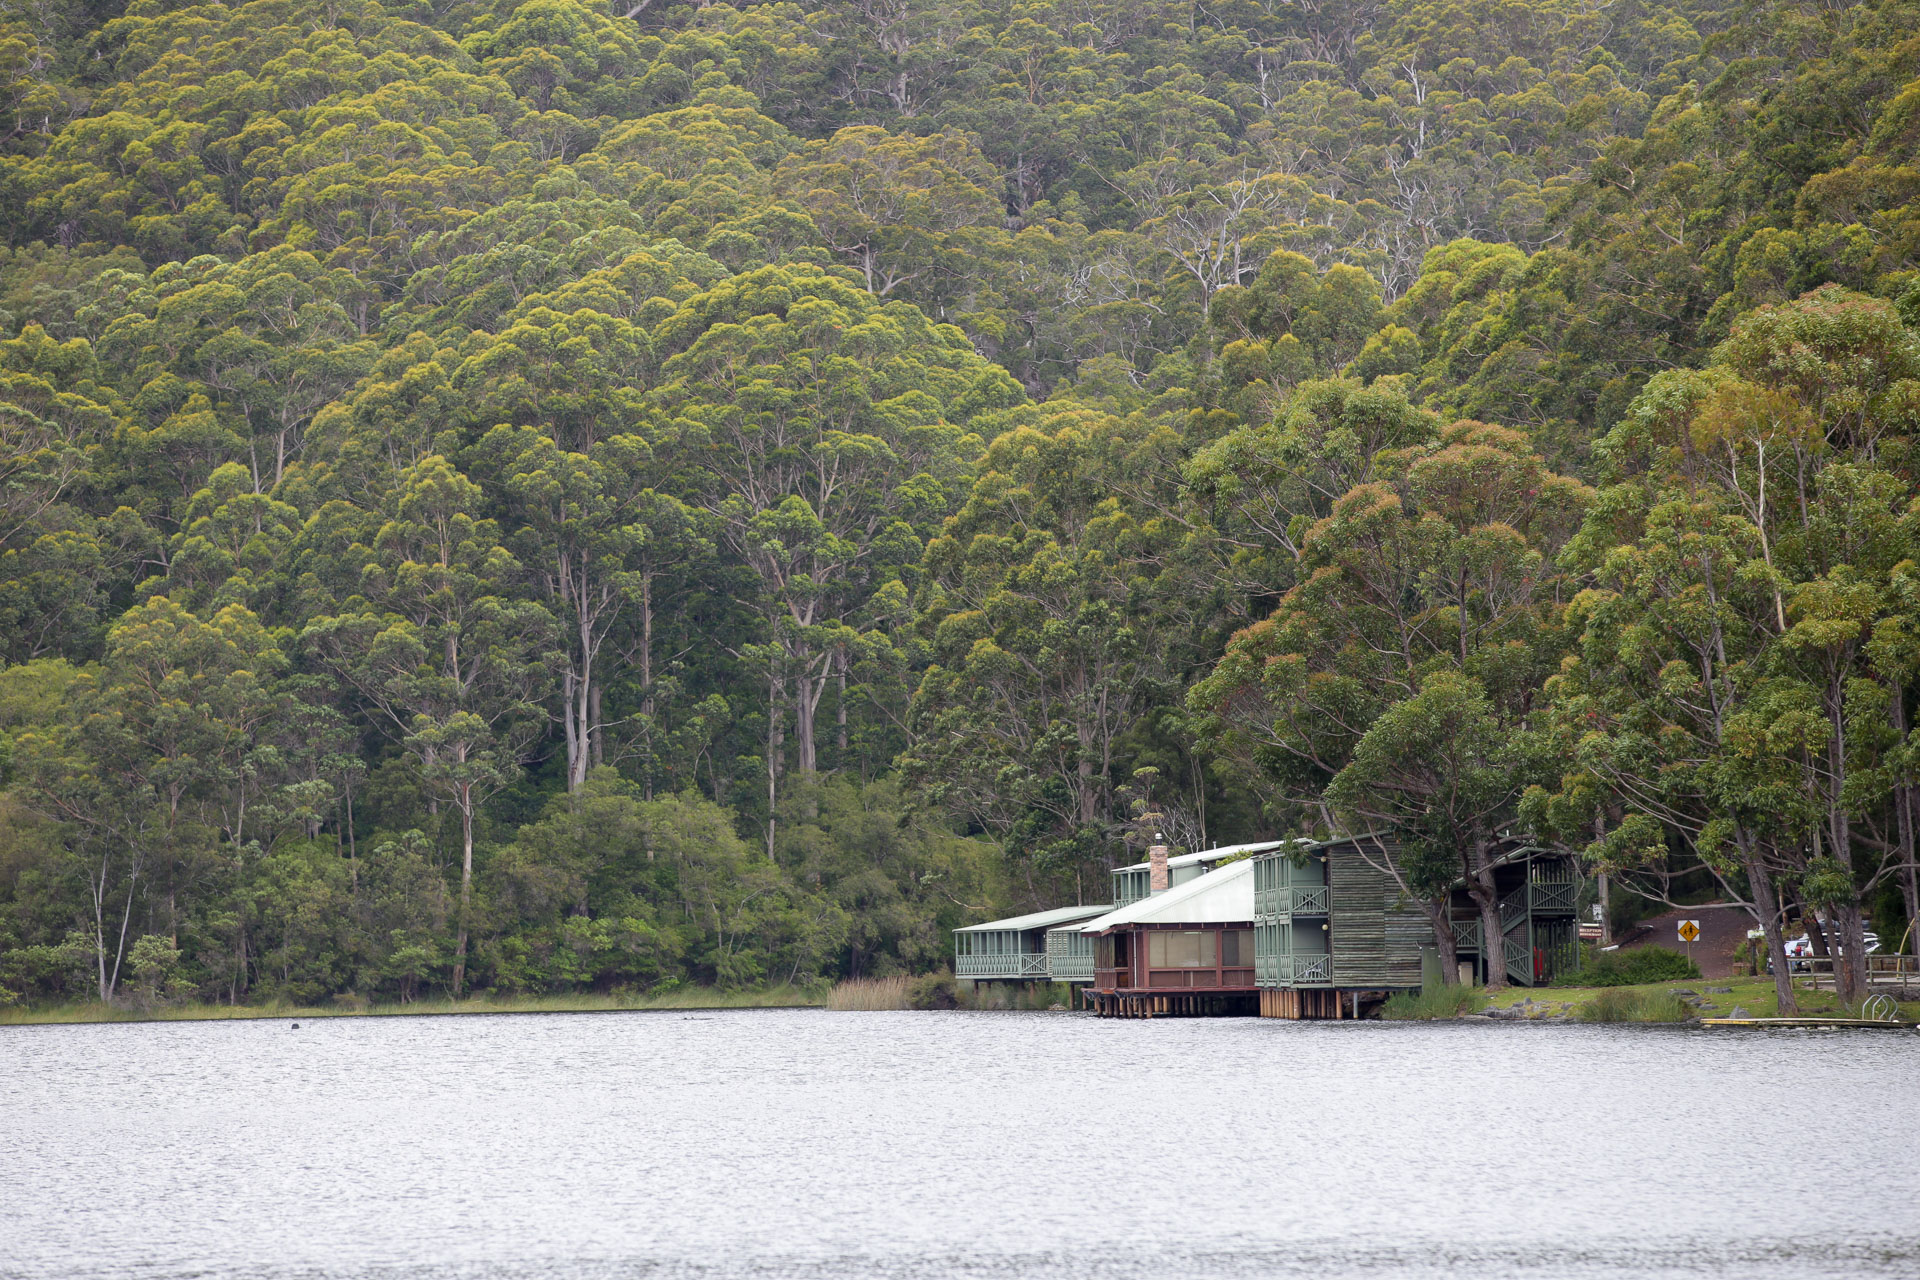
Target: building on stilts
x,y
1335,935
1183,950
1021,949
1283,928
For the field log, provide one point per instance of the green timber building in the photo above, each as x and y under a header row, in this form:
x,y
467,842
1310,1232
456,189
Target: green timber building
x,y
1334,934
1018,949
1049,946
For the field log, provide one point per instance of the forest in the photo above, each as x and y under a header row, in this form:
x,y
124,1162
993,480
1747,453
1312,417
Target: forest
x,y
529,496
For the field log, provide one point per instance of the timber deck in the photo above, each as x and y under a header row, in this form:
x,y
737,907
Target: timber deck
x,y
1808,1022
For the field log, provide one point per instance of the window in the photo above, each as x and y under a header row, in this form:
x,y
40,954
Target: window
x,y
1186,949
1236,948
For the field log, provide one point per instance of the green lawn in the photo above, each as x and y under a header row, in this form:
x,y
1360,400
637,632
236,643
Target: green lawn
x,y
682,998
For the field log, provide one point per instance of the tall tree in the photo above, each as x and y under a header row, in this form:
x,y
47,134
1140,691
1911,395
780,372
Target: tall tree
x,y
451,662
1379,694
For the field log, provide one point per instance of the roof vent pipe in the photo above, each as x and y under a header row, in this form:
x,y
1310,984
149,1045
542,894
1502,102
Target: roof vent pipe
x,y
1157,873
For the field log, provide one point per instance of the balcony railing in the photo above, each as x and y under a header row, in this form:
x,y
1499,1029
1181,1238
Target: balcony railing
x,y
1289,970
1558,899
1067,968
1290,900
1310,968
1199,979
1011,964
1310,900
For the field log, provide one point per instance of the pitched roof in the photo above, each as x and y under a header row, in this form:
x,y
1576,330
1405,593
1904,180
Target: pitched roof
x,y
1219,897
1212,855
1038,919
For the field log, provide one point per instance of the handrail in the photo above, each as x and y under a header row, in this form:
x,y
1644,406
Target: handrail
x,y
1552,897
1897,965
1011,964
1310,968
1518,957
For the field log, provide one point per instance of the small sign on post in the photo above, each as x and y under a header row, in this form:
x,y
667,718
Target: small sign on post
x,y
1689,930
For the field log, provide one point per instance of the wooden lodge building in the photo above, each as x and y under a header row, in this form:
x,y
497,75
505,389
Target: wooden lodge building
x,y
1185,949
1049,946
1334,935
1015,950
1288,929
1130,884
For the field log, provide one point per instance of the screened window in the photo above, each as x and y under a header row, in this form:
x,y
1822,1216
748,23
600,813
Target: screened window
x,y
1236,948
1186,949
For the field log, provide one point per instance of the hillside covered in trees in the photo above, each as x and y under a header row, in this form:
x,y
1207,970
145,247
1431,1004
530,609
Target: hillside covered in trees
x,y
545,495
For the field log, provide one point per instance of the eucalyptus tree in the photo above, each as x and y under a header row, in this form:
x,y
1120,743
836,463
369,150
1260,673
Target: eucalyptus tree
x,y
1050,641
823,430
1744,673
1386,689
911,213
158,759
599,535
1263,485
448,657
261,345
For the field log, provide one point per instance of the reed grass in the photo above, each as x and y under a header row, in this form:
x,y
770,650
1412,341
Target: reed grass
x,y
871,994
1620,1004
1432,1004
691,997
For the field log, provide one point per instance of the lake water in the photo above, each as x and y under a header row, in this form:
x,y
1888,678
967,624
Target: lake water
x,y
801,1143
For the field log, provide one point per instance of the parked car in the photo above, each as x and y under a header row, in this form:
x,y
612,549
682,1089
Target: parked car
x,y
1801,948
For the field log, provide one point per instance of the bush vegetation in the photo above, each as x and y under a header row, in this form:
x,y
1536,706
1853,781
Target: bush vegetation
x,y
1432,1003
933,991
1620,1004
1631,968
1010,996
550,497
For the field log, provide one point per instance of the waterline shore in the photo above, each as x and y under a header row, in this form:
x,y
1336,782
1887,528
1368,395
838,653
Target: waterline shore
x,y
1753,997
686,998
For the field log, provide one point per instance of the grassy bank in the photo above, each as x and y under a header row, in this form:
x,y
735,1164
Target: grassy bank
x,y
680,998
1667,1001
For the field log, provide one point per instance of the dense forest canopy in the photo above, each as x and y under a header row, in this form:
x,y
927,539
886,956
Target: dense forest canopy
x,y
551,495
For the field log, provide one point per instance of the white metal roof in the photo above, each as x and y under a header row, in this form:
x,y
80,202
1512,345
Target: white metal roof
x,y
1219,897
1212,855
1038,919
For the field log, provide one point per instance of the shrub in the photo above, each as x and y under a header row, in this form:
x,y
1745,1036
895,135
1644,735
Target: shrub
x,y
1018,995
1632,968
1431,1003
1635,1006
154,965
933,991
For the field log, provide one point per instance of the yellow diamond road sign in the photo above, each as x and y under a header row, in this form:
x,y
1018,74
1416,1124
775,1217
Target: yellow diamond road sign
x,y
1689,930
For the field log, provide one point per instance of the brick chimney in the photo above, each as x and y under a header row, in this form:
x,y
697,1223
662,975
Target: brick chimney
x,y
1157,875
